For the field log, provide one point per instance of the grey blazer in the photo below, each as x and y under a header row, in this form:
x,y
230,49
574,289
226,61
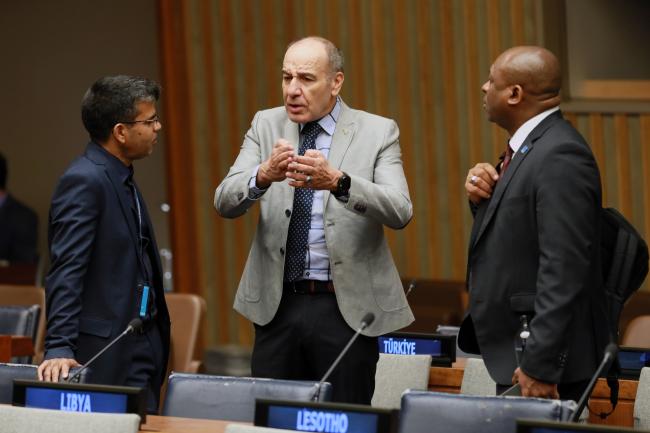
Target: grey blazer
x,y
366,147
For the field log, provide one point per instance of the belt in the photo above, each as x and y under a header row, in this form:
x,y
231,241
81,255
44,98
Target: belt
x,y
309,287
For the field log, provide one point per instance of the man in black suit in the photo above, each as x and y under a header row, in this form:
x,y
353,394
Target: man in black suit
x,y
18,225
533,260
105,266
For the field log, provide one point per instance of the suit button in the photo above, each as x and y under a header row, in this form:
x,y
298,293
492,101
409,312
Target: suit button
x,y
282,251
287,213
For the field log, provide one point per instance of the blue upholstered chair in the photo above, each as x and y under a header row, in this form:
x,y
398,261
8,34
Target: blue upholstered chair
x,y
9,372
20,320
231,398
436,412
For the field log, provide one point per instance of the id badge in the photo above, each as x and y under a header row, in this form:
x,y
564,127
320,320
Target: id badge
x,y
143,292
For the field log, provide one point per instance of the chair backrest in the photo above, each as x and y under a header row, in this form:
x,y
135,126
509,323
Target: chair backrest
x,y
642,401
185,312
245,428
27,296
637,333
20,320
476,379
20,420
397,373
231,398
457,413
9,372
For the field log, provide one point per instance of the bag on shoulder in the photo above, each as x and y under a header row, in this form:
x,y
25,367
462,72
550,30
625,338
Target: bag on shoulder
x,y
624,257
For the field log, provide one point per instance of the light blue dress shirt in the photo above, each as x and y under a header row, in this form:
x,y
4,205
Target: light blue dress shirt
x,y
317,265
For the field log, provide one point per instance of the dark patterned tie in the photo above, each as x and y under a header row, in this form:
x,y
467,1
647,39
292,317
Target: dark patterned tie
x,y
507,157
300,223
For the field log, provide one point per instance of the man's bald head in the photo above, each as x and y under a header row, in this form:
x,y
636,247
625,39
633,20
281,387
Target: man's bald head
x,y
524,81
535,69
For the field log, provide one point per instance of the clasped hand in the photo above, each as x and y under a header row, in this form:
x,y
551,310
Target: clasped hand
x,y
311,170
534,388
480,182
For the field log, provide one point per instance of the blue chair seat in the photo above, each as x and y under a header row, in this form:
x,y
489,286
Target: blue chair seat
x,y
231,398
437,412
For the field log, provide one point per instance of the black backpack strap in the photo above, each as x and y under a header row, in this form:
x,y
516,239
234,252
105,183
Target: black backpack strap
x,y
612,383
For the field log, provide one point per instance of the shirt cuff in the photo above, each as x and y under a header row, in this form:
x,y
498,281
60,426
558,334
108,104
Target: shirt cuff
x,y
343,198
255,192
59,352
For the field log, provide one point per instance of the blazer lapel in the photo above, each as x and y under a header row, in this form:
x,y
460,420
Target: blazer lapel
x,y
118,187
345,129
484,218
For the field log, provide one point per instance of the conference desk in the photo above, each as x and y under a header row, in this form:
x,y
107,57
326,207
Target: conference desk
x,y
15,345
448,379
172,424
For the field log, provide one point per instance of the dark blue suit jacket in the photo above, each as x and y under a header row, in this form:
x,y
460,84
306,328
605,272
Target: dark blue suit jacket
x,y
95,269
534,251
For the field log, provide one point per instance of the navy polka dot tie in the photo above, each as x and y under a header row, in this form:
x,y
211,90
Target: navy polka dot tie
x,y
294,265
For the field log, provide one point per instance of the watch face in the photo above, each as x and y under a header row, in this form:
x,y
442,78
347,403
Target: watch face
x,y
344,184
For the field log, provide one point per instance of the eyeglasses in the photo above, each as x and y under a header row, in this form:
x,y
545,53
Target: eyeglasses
x,y
148,122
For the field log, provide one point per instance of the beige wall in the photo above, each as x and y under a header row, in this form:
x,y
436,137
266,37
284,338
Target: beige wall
x,y
52,51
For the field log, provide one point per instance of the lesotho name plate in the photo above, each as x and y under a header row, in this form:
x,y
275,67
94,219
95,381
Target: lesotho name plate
x,y
324,417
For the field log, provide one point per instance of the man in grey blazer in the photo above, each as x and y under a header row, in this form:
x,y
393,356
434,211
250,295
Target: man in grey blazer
x,y
533,265
328,179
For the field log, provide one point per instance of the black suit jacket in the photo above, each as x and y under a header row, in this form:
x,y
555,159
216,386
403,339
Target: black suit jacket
x,y
534,251
95,269
18,232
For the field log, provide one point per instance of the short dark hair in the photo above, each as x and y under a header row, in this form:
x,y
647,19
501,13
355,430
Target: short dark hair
x,y
3,172
111,100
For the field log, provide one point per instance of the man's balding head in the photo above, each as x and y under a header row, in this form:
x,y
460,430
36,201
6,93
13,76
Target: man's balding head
x,y
524,81
536,69
312,76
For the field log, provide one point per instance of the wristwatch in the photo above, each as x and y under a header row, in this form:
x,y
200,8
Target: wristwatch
x,y
343,186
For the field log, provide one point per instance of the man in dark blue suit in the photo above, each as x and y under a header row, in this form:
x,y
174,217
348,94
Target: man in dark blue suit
x,y
533,257
18,225
105,267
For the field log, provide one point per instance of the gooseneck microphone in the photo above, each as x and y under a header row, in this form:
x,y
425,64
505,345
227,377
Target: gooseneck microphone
x,y
411,286
365,322
134,325
610,355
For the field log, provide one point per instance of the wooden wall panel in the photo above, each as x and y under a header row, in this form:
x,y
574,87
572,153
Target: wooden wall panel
x,y
621,145
420,62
